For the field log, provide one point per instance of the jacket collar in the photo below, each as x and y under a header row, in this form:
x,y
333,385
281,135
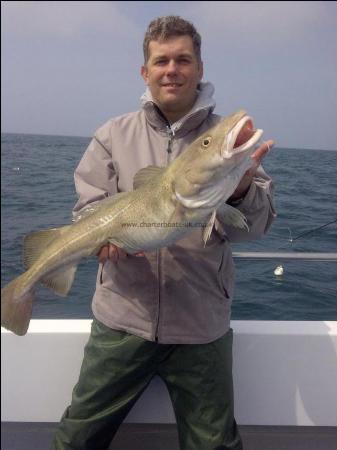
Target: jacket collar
x,y
202,107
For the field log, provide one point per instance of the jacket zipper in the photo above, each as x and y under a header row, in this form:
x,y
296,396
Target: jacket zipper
x,y
169,130
170,133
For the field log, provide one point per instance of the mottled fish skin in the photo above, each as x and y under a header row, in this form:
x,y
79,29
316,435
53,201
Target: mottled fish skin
x,y
189,190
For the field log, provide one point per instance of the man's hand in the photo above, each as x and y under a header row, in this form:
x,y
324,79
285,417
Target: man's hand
x,y
247,179
113,253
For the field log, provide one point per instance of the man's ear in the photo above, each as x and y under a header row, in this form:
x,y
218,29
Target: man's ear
x,y
201,70
144,74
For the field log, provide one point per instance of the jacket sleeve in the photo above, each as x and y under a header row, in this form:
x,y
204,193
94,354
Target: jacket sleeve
x,y
258,208
95,176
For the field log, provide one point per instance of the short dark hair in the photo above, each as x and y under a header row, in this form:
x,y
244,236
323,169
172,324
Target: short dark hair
x,y
165,27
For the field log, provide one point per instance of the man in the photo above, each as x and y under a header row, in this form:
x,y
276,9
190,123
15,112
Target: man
x,y
166,312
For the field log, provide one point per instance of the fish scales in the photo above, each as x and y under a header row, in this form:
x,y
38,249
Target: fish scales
x,y
160,210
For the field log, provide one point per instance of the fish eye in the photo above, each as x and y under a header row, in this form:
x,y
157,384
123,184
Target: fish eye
x,y
206,142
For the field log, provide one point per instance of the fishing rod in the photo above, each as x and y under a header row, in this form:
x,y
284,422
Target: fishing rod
x,y
279,269
291,239
311,231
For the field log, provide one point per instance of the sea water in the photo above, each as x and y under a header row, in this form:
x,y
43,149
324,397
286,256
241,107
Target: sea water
x,y
38,192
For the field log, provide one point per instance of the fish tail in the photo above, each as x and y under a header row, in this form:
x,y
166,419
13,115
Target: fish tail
x,y
16,306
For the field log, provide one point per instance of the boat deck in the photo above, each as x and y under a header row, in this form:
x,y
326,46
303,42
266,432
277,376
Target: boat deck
x,y
37,436
284,383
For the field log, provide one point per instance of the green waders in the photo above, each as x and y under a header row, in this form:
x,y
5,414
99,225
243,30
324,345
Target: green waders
x,y
116,369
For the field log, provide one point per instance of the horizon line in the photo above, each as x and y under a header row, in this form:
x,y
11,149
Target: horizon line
x,y
90,137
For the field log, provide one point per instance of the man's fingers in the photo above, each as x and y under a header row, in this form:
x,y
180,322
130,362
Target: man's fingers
x,y
121,253
113,253
257,156
247,178
116,253
103,254
261,152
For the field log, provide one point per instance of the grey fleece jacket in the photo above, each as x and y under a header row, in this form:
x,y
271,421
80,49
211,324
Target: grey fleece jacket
x,y
180,294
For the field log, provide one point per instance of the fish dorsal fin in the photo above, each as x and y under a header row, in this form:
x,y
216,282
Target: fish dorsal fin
x,y
35,243
145,175
208,228
60,281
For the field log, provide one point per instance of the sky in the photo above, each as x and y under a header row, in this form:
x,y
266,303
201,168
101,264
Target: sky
x,y
68,67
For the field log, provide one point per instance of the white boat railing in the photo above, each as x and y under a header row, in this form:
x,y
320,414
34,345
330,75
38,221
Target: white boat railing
x,y
305,256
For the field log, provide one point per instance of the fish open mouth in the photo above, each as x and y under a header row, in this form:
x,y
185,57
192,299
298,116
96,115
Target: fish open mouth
x,y
242,137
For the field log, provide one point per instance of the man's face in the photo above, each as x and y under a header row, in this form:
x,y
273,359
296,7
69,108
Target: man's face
x,y
172,74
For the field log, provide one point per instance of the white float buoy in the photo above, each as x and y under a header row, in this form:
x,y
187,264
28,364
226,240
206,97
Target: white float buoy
x,y
279,270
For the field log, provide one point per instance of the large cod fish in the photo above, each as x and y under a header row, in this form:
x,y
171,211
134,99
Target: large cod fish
x,y
190,190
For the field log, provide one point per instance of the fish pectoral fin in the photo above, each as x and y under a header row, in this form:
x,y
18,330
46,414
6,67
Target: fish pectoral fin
x,y
60,281
124,243
35,243
145,175
208,228
231,216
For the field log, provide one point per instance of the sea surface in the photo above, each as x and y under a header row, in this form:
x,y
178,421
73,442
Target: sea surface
x,y
37,192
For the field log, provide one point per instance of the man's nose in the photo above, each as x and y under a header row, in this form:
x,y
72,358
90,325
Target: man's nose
x,y
172,67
